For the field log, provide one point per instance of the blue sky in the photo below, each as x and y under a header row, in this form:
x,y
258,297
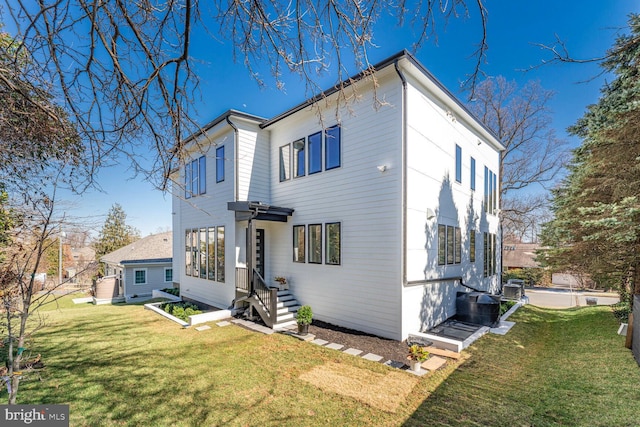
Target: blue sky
x,y
588,27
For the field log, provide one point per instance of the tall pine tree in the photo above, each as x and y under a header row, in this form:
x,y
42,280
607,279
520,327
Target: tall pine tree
x,y
115,232
596,229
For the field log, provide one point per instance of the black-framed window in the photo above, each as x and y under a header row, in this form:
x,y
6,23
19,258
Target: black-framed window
x,y
490,190
299,154
187,180
472,246
442,244
333,243
315,152
332,146
457,245
458,163
211,253
187,252
285,162
489,250
195,177
220,164
204,253
168,274
298,243
220,261
449,245
472,177
315,243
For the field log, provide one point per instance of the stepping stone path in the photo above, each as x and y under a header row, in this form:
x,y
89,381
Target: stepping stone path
x,y
433,363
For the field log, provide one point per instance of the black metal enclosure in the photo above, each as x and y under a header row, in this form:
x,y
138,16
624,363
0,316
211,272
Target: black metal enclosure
x,y
478,308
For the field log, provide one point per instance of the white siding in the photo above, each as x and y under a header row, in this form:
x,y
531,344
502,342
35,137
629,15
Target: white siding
x,y
253,163
208,210
364,291
432,135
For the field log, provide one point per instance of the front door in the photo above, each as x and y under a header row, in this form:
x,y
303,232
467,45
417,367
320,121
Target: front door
x,y
259,265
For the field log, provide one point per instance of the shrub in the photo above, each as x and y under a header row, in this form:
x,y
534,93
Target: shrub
x,y
304,315
505,306
181,310
621,311
172,291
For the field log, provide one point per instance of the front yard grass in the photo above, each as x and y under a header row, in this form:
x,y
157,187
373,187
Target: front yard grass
x,y
123,365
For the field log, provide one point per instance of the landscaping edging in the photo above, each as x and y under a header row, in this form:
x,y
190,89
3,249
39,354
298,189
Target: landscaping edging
x,y
195,319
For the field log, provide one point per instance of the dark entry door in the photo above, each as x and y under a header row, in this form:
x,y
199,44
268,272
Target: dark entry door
x,y
259,250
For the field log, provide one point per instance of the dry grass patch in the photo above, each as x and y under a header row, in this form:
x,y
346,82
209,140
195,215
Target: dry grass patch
x,y
381,391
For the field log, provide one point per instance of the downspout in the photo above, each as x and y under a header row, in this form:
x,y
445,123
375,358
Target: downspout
x,y
403,224
236,143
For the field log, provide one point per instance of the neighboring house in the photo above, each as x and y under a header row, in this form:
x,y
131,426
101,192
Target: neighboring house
x,y
517,255
140,267
375,212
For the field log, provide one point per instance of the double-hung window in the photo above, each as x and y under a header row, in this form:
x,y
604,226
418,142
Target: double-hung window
x,y
140,276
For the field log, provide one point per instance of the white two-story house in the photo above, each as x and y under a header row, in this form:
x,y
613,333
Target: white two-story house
x,y
376,212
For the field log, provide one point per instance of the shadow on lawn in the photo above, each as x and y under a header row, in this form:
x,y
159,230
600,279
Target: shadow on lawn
x,y
115,369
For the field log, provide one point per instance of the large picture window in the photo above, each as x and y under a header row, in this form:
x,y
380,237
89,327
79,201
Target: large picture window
x,y
315,243
333,243
204,253
298,243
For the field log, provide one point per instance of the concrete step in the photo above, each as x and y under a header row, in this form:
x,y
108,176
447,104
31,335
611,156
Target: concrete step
x,y
284,325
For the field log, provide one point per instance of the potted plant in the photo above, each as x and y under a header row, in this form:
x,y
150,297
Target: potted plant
x,y
282,282
303,317
417,355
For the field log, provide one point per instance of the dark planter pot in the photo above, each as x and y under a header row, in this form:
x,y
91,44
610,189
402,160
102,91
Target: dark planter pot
x,y
303,329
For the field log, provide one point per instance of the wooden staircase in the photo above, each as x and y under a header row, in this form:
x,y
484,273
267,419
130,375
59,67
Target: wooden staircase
x,y
287,307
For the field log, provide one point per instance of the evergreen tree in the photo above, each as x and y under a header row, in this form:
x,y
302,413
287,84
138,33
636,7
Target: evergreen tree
x,y
596,229
115,232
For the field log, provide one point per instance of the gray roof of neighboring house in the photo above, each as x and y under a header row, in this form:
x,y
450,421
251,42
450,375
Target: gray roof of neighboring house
x,y
153,248
519,255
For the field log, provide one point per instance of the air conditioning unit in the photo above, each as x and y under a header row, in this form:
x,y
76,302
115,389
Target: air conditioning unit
x,y
512,291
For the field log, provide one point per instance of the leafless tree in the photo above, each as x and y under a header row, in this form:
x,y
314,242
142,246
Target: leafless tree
x,y
36,225
125,70
521,118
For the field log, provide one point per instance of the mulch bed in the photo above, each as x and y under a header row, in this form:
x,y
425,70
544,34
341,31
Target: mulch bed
x,y
388,349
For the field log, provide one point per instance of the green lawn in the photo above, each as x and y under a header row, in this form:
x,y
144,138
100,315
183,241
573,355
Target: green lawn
x,y
123,365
